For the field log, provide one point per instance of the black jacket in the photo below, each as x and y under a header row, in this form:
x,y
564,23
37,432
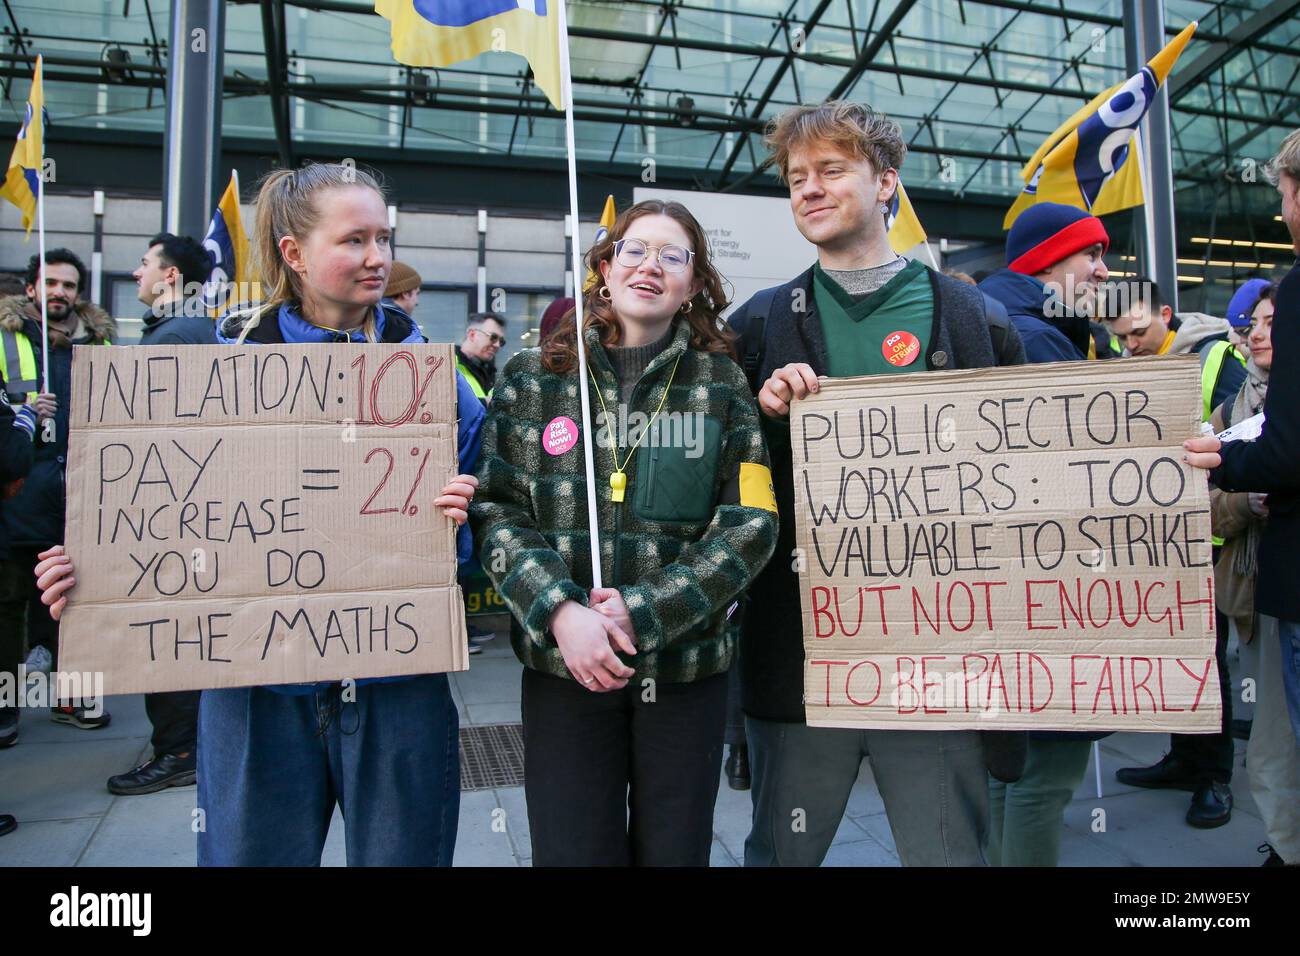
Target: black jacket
x,y
15,461
772,657
178,330
34,518
1271,463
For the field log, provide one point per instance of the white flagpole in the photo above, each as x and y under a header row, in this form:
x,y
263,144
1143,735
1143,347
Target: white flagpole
x,y
45,306
588,442
48,433
930,252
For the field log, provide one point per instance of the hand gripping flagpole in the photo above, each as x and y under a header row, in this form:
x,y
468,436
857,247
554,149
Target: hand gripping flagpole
x,y
48,430
588,445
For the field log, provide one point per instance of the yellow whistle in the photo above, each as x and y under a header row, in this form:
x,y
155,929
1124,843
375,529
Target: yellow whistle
x,y
617,484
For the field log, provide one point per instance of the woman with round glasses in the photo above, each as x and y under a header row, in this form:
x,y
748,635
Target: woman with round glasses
x,y
625,687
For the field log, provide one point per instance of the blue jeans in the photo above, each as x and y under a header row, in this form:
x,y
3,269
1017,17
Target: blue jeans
x,y
933,783
272,766
1289,633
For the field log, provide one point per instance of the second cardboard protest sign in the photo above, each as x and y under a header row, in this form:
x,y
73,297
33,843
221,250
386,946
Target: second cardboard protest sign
x,y
262,515
1006,548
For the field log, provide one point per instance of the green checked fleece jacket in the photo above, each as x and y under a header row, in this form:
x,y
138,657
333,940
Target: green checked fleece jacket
x,y
678,555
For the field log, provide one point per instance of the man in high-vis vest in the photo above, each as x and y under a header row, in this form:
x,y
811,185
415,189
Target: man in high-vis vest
x,y
476,355
33,519
1146,325
1144,322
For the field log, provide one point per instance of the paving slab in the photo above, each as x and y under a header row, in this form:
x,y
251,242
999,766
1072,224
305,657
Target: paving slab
x,y
46,843
128,720
334,852
482,714
512,801
859,853
66,780
152,829
490,681
477,843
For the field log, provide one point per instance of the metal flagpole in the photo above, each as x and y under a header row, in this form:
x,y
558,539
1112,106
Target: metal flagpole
x,y
588,443
1148,213
48,431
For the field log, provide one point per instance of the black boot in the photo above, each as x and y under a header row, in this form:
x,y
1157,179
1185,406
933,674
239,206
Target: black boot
x,y
738,767
1211,806
8,823
1171,773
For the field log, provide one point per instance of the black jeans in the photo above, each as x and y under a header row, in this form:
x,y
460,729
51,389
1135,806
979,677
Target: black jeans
x,y
1210,755
626,778
175,719
24,620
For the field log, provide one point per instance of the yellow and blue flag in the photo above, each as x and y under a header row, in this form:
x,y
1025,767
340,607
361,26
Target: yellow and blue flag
x,y
23,182
901,224
446,32
1084,163
607,217
227,243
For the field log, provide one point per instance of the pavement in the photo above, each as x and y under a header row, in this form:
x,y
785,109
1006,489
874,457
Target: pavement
x,y
53,781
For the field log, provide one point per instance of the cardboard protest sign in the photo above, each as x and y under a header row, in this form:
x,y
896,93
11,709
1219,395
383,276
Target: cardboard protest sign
x,y
261,515
1015,548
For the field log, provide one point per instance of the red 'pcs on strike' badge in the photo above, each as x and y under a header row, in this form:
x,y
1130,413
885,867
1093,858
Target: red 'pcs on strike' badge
x,y
900,348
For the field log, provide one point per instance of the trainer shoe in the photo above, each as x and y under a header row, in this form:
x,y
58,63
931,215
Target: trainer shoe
x,y
40,659
77,717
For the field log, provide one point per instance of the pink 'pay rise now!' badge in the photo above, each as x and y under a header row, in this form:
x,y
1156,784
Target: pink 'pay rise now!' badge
x,y
560,435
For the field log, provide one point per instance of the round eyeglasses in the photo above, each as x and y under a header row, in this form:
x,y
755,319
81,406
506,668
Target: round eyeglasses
x,y
632,252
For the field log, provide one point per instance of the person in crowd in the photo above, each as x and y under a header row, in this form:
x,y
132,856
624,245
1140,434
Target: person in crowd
x,y
1241,310
170,267
1270,464
34,518
625,686
403,288
11,283
1272,756
476,355
1007,348
1146,325
556,311
1050,252
841,162
1055,264
17,433
1200,763
273,762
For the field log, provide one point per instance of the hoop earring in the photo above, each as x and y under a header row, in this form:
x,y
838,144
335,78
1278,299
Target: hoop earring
x,y
604,293
687,306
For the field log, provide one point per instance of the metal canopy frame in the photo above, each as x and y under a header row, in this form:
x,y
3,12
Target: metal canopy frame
x,y
1235,86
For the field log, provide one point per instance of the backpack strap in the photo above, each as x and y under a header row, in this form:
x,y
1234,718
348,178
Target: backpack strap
x,y
753,337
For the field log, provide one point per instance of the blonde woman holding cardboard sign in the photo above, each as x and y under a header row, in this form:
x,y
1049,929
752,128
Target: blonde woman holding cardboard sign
x,y
273,762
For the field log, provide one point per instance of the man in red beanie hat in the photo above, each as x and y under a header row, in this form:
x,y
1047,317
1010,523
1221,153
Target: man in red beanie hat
x,y
1054,265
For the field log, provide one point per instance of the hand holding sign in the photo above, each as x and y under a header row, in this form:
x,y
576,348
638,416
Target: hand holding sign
x,y
788,383
54,577
456,496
